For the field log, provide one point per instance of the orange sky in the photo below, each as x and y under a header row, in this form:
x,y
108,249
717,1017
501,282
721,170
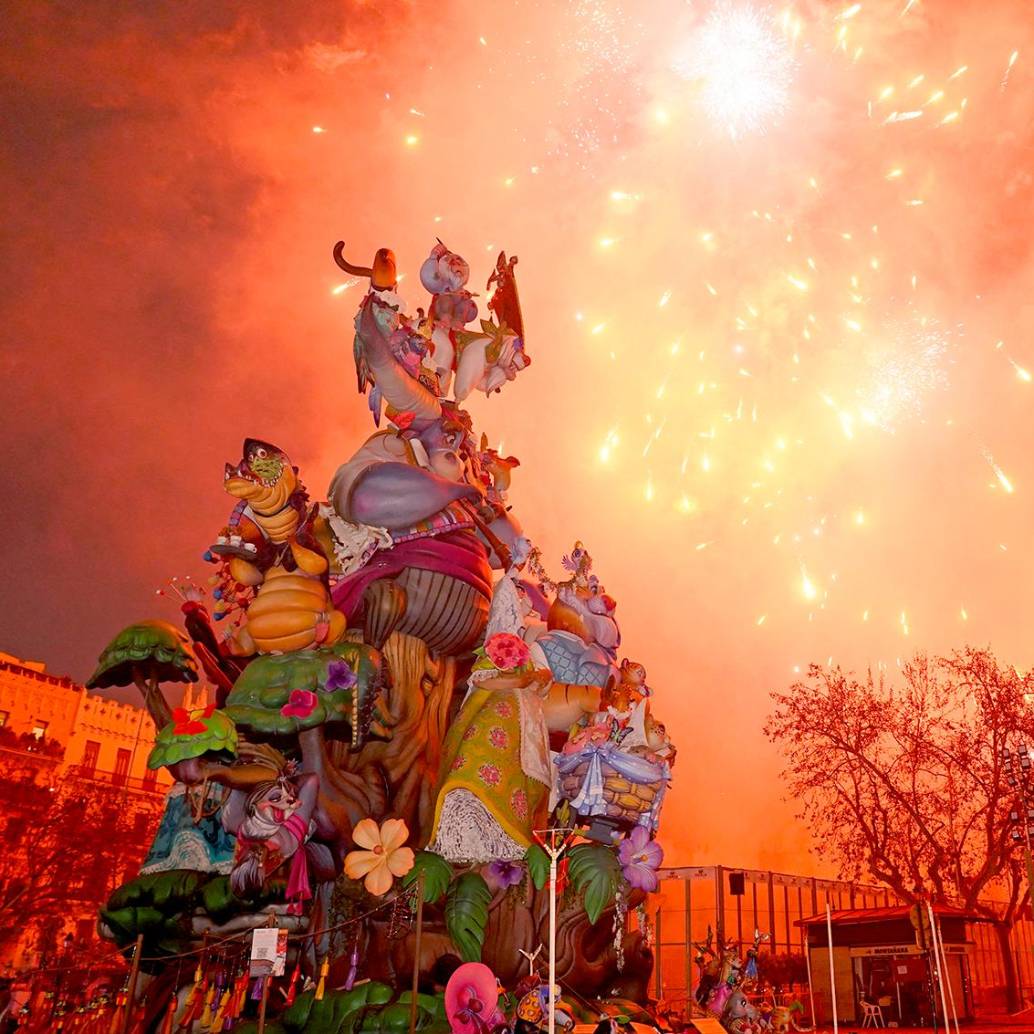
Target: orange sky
x,y
779,381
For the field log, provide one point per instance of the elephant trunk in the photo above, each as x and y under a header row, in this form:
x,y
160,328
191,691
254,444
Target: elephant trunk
x,y
349,267
401,391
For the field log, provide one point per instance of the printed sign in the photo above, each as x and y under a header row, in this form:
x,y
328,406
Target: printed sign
x,y
268,952
708,1025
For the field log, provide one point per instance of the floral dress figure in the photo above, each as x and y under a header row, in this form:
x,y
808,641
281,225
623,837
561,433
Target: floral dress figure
x,y
496,775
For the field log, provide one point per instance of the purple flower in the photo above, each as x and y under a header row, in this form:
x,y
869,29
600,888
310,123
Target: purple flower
x,y
500,875
340,676
640,856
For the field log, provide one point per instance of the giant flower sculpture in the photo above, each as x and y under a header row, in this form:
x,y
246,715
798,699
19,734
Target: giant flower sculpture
x,y
381,856
640,856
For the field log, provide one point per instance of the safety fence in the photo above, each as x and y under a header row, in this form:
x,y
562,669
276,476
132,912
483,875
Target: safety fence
x,y
736,902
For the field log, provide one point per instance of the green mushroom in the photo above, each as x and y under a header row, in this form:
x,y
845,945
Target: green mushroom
x,y
302,696
147,654
192,734
289,693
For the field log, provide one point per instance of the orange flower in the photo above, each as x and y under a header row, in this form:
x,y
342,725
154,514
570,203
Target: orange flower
x,y
384,857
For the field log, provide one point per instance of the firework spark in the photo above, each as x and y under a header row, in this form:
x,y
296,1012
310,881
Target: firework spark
x,y
743,66
906,366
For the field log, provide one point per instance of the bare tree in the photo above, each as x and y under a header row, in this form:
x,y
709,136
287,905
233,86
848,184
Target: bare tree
x,y
905,783
65,844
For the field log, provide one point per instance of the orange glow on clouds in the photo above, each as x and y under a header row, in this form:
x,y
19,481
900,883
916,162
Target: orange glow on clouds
x,y
780,378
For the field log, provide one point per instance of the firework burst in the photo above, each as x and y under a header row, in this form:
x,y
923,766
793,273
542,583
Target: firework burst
x,y
743,66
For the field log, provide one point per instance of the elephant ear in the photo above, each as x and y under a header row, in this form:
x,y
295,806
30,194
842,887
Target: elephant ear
x,y
466,915
596,874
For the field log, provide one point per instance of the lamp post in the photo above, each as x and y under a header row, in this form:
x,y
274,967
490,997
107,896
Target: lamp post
x,y
1018,774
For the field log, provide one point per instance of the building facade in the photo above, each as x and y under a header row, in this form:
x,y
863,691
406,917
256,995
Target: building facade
x,y
78,808
92,733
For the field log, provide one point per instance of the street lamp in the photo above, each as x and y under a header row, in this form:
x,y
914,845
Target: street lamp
x,y
1018,774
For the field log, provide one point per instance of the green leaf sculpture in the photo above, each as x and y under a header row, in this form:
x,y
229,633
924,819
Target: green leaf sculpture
x,y
437,874
330,1012
466,914
538,865
595,873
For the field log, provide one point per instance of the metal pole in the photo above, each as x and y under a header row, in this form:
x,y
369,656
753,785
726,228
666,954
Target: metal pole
x,y
127,1020
266,981
689,936
938,939
771,912
416,948
832,975
553,854
658,978
719,904
811,991
937,964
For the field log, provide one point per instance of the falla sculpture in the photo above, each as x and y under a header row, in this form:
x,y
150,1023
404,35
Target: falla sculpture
x,y
404,700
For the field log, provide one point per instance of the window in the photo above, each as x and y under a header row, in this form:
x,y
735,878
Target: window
x,y
122,766
39,729
90,755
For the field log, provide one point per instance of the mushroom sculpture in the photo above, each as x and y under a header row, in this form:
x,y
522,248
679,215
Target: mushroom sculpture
x,y
147,654
320,702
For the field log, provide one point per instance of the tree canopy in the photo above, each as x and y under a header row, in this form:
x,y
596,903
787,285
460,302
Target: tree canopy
x,y
905,782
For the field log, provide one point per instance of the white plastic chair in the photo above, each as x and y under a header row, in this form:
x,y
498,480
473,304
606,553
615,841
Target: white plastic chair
x,y
872,1014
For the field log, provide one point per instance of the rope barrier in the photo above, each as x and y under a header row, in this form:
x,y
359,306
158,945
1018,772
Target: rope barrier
x,y
214,945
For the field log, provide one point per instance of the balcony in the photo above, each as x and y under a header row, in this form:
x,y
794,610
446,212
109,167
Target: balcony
x,y
117,779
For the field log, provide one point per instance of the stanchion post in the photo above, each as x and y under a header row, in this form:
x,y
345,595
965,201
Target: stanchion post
x,y
266,981
134,970
832,972
416,949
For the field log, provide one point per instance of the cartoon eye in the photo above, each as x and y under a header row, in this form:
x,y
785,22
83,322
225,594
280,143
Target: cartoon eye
x,y
260,453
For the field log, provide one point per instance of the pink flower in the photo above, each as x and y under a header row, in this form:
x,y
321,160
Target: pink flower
x,y
301,704
458,763
519,803
498,738
472,731
507,651
639,857
503,709
490,775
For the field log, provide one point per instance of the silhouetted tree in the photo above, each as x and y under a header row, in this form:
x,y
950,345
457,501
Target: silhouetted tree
x,y
905,782
66,841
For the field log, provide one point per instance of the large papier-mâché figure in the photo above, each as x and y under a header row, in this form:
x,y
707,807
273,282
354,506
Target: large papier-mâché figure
x,y
402,694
